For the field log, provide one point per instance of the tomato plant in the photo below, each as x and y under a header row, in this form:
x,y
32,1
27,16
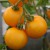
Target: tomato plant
x,y
20,14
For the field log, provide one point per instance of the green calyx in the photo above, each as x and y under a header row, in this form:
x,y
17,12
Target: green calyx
x,y
8,27
30,18
20,26
15,8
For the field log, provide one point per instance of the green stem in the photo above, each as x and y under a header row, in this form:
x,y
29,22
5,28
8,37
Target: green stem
x,y
35,7
17,3
44,10
24,13
20,26
26,10
39,10
15,7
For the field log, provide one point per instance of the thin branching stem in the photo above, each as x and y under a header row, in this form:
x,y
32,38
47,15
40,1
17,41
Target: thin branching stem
x,y
35,6
17,3
26,10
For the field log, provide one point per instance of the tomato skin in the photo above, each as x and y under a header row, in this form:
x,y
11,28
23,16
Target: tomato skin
x,y
48,13
36,28
13,2
15,38
12,17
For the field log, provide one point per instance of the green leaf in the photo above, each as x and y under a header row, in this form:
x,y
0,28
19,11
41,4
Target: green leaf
x,y
42,2
30,0
30,18
5,4
2,46
3,0
29,8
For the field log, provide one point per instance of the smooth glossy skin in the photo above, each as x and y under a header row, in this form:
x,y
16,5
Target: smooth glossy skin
x,y
12,17
36,28
15,38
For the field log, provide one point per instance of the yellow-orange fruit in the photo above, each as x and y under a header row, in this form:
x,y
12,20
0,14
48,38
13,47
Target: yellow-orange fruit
x,y
12,17
15,38
37,27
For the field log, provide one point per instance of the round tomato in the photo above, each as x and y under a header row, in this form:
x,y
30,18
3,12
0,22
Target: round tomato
x,y
12,17
15,38
37,27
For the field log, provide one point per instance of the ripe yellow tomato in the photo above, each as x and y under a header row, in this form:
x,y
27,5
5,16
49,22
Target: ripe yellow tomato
x,y
37,27
12,17
15,38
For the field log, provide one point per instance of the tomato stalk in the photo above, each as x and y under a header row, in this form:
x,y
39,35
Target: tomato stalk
x,y
24,15
27,14
15,7
20,26
35,7
17,3
26,10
